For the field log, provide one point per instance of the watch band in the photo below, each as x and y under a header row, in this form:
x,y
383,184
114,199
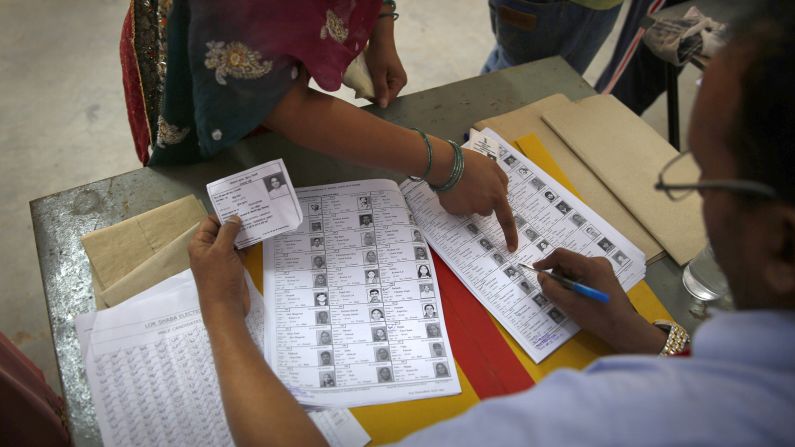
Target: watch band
x,y
678,338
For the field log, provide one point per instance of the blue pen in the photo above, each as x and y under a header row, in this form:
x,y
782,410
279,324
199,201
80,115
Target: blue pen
x,y
582,289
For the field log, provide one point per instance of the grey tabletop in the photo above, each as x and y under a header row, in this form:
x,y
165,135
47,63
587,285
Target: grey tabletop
x,y
448,111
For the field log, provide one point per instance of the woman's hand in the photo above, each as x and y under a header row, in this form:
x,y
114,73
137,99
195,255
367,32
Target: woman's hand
x,y
483,188
218,269
385,67
616,322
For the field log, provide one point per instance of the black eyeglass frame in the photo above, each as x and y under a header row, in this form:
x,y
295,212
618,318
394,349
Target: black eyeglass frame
x,y
739,186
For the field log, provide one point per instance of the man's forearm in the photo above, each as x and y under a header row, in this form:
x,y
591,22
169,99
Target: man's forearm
x,y
259,409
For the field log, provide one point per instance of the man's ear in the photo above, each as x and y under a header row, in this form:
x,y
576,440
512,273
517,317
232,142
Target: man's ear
x,y
779,273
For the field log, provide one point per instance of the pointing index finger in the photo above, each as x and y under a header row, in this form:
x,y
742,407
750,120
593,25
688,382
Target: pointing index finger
x,y
505,218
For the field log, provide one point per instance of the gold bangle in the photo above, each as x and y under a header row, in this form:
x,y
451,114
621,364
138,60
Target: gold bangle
x,y
678,338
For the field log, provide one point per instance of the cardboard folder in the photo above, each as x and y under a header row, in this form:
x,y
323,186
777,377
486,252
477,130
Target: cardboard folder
x,y
598,142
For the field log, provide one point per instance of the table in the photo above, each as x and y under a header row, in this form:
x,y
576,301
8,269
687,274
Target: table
x,y
448,111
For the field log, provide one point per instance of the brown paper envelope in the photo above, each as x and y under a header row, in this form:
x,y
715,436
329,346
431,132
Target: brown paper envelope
x,y
167,262
627,155
117,250
518,123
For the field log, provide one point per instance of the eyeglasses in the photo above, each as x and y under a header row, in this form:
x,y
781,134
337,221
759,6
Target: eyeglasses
x,y
680,177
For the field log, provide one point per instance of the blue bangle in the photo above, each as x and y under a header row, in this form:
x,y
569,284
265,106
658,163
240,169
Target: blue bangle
x,y
456,172
429,150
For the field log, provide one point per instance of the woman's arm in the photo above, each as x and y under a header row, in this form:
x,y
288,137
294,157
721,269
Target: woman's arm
x,y
259,410
383,61
323,123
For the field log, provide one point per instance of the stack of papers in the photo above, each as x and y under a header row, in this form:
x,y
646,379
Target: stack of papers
x,y
152,376
547,216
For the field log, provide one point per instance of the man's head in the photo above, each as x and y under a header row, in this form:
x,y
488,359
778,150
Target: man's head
x,y
743,127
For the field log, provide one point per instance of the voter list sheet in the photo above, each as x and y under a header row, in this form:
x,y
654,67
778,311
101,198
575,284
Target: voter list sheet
x,y
152,376
352,297
547,216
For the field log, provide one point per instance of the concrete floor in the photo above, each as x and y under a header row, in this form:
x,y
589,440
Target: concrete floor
x,y
63,122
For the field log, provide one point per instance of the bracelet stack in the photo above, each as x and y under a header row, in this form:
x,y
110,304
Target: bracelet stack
x,y
456,173
429,149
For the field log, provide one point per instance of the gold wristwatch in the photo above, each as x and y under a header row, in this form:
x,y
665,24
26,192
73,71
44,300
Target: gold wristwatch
x,y
678,339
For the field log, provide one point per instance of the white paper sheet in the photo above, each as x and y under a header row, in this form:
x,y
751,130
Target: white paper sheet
x,y
340,428
152,376
264,199
355,315
547,216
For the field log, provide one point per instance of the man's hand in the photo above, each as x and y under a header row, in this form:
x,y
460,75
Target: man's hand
x,y
384,64
616,322
218,269
483,189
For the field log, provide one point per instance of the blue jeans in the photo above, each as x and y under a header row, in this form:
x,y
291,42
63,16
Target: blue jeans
x,y
528,31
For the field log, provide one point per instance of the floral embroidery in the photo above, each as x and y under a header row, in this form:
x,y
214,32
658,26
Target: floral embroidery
x,y
334,27
168,134
236,60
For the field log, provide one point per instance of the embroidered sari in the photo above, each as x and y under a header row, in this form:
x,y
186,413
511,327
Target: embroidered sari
x,y
199,75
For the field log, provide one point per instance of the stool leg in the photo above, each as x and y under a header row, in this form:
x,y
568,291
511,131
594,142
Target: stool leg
x,y
672,86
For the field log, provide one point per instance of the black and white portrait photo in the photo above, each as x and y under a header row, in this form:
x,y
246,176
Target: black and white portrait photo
x,y
423,272
556,315
620,258
520,221
325,358
432,330
437,349
384,374
324,338
374,296
417,236
371,276
321,317
428,311
485,244
316,243
543,245
379,333
420,254
321,299
563,207
510,160
498,258
550,196
511,273
366,221
540,300
316,227
364,203
319,280
472,228
537,183
368,239
381,354
606,245
276,185
426,290
440,369
318,262
327,379
370,257
314,209
531,234
577,219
